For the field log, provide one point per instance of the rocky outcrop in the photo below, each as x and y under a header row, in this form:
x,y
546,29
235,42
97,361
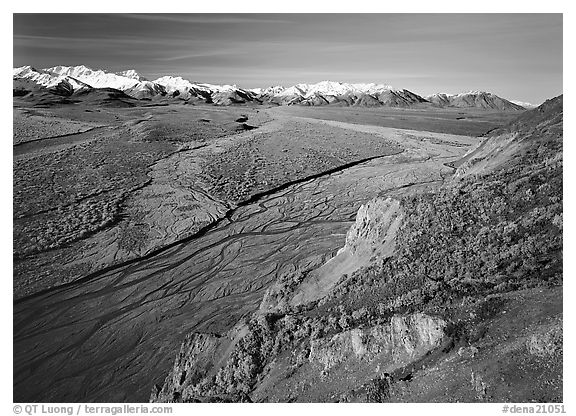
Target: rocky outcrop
x,y
196,358
200,358
373,232
249,359
404,339
547,342
371,237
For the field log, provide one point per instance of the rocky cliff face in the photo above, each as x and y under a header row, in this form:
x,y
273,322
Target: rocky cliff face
x,y
195,360
376,225
242,366
403,339
200,358
371,237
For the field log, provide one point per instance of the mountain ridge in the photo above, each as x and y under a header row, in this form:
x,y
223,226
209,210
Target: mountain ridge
x,y
475,98
77,78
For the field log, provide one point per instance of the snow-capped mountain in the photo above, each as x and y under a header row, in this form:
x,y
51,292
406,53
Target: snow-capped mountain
x,y
473,99
80,78
340,88
440,99
69,80
218,94
98,78
340,93
267,91
180,87
127,81
47,79
130,73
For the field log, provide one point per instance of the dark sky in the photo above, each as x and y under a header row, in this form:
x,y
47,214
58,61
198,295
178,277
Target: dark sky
x,y
517,56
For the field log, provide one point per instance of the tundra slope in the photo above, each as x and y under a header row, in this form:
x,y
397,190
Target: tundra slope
x,y
463,304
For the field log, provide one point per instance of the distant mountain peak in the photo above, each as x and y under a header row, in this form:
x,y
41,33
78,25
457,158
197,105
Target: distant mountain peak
x,y
130,73
475,92
473,99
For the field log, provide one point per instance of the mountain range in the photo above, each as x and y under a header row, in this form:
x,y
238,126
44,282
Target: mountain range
x,y
72,82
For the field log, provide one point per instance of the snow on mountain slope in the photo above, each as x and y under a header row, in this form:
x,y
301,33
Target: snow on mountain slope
x,y
48,79
440,99
340,88
324,88
178,87
178,83
277,89
341,93
23,71
526,105
130,73
127,81
98,78
174,83
295,90
73,79
217,94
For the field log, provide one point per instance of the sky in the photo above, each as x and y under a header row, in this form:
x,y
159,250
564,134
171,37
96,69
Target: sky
x,y
516,56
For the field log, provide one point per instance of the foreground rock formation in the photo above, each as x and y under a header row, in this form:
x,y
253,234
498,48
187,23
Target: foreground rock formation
x,y
206,361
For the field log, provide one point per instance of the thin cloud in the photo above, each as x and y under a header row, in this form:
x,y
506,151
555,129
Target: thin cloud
x,y
100,39
203,18
195,55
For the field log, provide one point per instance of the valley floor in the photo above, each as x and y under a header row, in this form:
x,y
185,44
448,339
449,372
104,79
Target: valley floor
x,y
135,227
